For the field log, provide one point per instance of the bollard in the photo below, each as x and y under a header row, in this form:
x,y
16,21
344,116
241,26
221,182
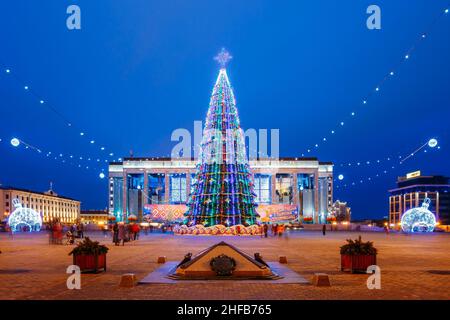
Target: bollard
x,y
282,259
162,259
321,280
128,280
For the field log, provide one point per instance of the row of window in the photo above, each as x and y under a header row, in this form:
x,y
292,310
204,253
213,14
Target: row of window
x,y
23,199
156,192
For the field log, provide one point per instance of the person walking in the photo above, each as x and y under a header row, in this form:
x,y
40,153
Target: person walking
x,y
115,230
266,229
324,229
122,233
274,229
136,231
280,230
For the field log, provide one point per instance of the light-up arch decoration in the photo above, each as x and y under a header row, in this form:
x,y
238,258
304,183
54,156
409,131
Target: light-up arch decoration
x,y
24,217
419,219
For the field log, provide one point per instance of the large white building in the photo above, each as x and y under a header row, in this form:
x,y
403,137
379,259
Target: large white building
x,y
48,204
160,187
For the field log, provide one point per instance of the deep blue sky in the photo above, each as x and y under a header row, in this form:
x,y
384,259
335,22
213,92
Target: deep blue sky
x,y
139,69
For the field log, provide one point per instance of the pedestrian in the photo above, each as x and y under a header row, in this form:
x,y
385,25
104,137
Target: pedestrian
x,y
115,230
266,228
122,233
136,231
274,229
280,230
324,229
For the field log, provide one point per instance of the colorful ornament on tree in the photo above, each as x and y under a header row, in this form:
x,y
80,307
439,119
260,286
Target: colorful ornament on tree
x,y
223,194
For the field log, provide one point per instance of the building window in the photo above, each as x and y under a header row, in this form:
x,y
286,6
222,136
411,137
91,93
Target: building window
x,y
177,188
305,186
263,188
283,184
156,188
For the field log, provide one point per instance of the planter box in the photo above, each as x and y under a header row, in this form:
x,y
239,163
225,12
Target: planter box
x,y
357,263
90,262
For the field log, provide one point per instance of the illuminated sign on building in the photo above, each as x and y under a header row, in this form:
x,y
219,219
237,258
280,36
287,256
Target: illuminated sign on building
x,y
414,174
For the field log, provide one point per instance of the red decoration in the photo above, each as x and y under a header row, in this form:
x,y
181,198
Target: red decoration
x,y
357,263
90,262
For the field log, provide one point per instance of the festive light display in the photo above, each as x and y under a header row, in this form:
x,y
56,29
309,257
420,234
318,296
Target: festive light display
x,y
351,115
84,162
51,108
222,192
431,143
419,219
24,217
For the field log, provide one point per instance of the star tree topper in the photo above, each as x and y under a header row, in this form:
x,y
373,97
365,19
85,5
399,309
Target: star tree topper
x,y
223,57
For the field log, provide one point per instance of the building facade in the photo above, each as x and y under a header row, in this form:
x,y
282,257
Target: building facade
x,y
94,217
48,204
413,189
286,189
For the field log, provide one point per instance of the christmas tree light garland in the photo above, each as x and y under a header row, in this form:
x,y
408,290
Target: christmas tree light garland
x,y
222,191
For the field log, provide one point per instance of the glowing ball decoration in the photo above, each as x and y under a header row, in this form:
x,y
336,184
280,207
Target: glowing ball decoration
x,y
15,142
419,219
101,175
341,177
24,217
432,143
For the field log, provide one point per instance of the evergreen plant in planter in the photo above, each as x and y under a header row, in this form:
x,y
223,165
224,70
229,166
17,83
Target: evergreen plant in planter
x,y
357,255
89,255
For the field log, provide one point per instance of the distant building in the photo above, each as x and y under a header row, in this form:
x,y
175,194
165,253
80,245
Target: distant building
x,y
412,189
48,204
341,211
159,188
99,217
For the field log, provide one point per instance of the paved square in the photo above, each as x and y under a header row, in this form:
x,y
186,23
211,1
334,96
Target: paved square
x,y
412,267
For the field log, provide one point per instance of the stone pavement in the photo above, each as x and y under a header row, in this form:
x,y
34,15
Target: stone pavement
x,y
412,267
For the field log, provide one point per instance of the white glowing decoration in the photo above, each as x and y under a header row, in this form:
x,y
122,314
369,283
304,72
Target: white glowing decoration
x,y
101,175
24,217
341,177
432,143
15,142
419,219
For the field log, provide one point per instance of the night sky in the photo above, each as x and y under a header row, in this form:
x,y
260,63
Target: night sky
x,y
139,69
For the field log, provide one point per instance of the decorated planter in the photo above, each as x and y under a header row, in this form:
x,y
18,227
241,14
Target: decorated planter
x,y
90,262
357,263
357,256
90,256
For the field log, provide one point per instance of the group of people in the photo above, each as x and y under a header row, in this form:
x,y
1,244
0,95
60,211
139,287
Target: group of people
x,y
125,232
277,230
56,231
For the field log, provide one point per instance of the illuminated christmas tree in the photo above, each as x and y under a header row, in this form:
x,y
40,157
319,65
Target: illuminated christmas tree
x,y
222,191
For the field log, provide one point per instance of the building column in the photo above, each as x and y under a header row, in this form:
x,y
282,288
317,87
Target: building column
x,y
437,206
274,188
124,196
188,185
295,189
316,197
145,193
167,189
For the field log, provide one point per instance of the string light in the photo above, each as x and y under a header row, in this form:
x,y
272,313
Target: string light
x,y
42,101
432,143
58,156
418,41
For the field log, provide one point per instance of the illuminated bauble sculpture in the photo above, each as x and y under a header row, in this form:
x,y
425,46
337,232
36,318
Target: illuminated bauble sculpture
x,y
419,219
432,143
24,217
